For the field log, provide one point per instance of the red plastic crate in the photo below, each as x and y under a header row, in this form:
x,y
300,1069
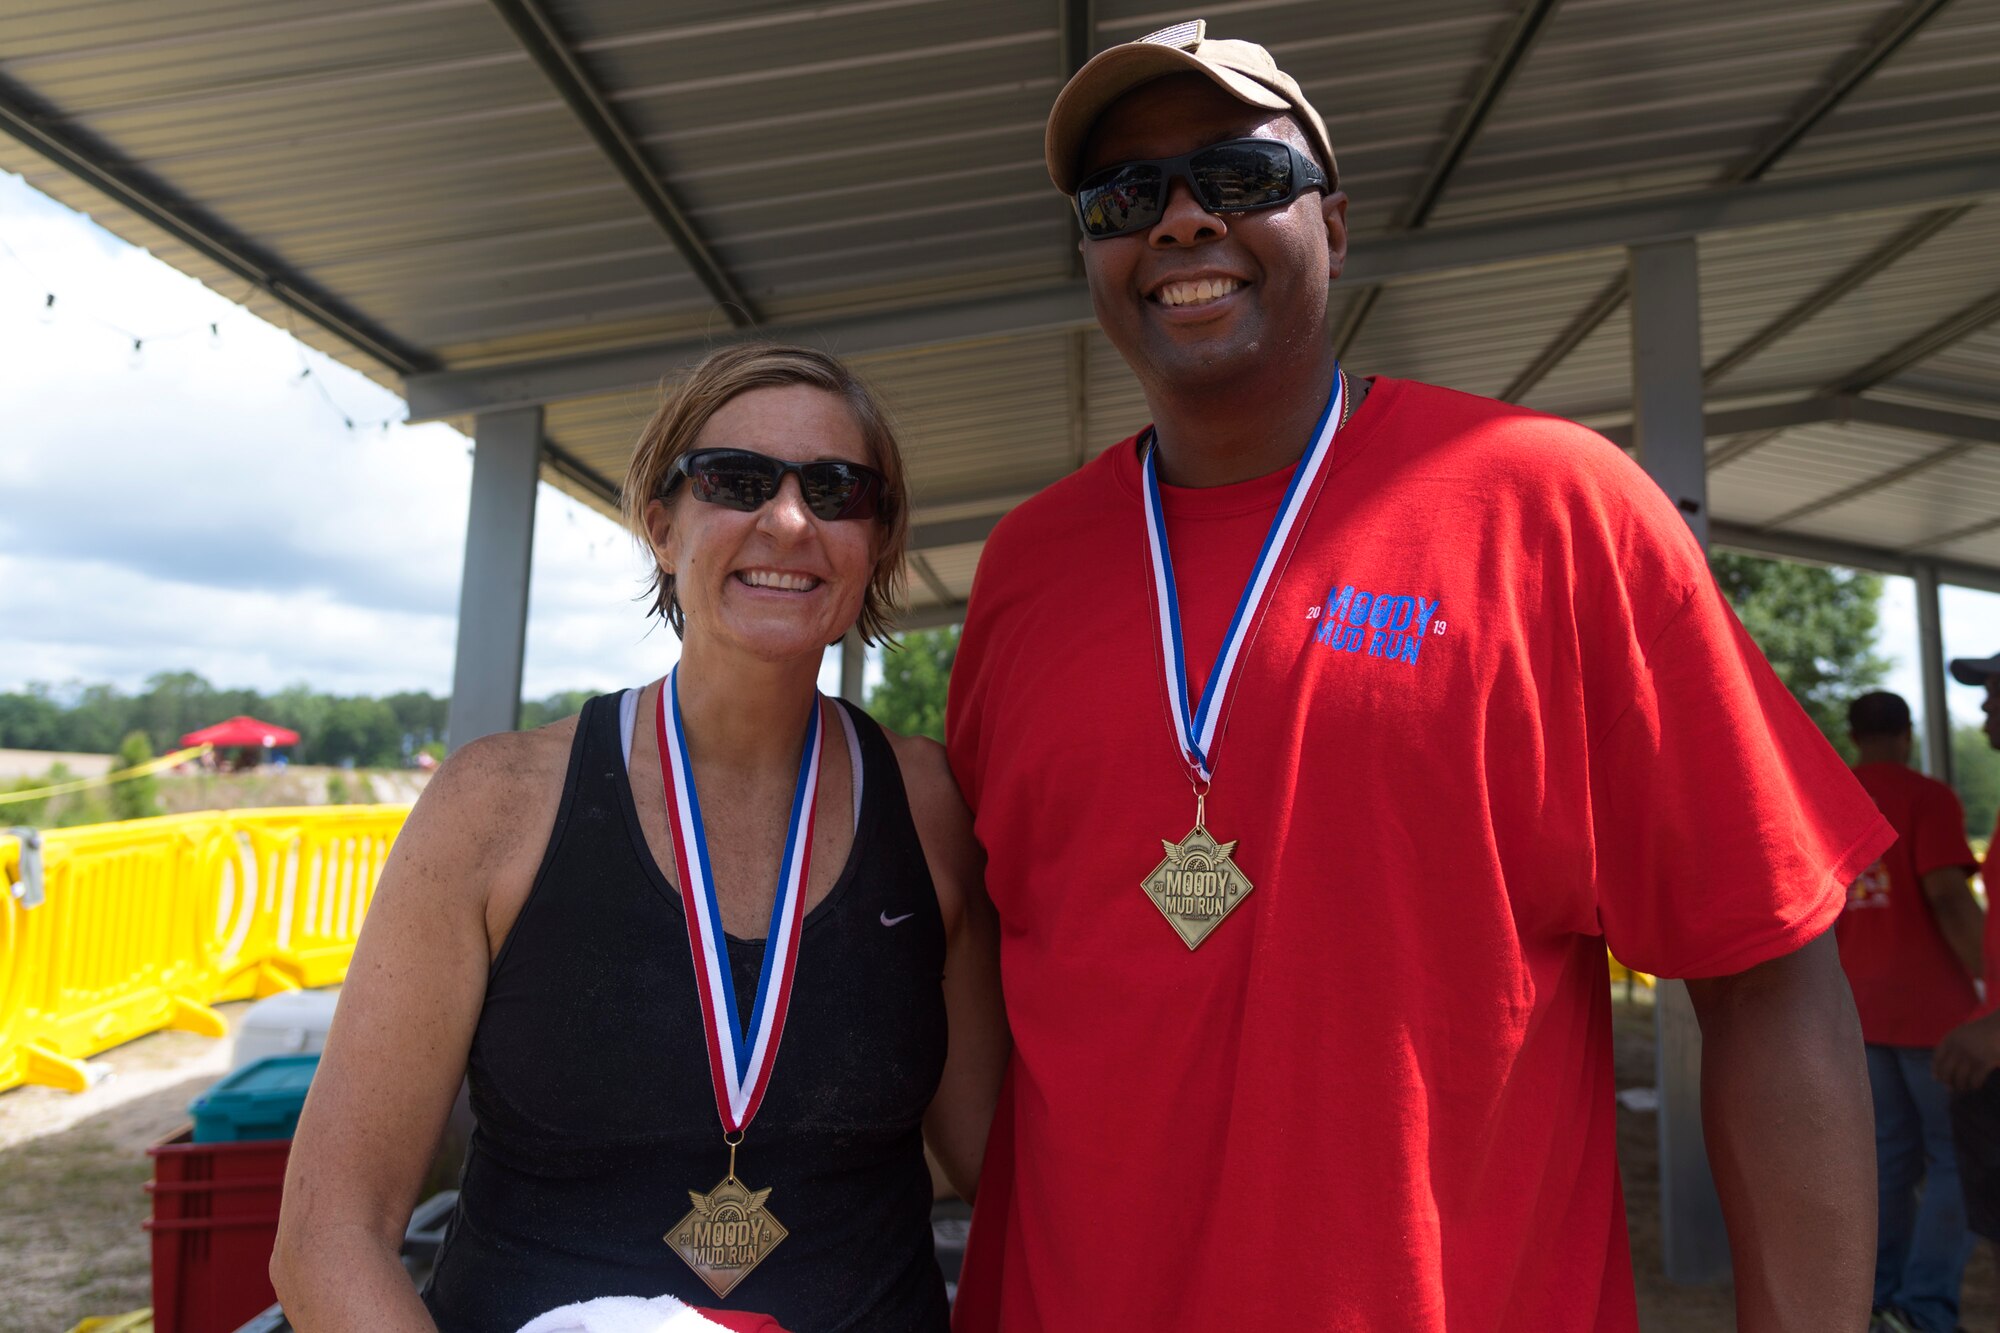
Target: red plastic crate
x,y
215,1218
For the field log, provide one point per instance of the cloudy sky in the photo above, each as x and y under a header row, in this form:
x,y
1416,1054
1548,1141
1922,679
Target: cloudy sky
x,y
198,504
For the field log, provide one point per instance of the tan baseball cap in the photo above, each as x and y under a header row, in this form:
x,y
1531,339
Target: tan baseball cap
x,y
1244,70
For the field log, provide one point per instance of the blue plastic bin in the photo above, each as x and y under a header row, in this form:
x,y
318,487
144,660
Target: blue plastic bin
x,y
259,1101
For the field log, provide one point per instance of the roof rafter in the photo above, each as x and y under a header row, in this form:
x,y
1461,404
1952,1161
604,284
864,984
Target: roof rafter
x,y
1961,323
1066,306
538,35
1494,79
1850,75
95,163
1849,280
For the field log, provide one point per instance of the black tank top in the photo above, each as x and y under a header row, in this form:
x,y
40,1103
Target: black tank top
x,y
591,1090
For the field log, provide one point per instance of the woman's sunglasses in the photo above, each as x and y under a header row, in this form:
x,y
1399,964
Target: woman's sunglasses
x,y
1235,176
746,481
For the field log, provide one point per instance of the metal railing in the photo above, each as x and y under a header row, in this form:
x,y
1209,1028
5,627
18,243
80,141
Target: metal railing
x,y
111,931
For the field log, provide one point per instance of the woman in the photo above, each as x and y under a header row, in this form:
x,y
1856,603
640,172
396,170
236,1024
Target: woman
x,y
697,949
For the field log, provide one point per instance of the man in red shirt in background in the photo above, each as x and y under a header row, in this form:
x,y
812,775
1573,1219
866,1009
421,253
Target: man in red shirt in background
x,y
1970,1053
1910,943
1320,737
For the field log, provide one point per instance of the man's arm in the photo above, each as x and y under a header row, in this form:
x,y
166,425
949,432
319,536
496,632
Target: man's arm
x,y
1790,1131
1948,889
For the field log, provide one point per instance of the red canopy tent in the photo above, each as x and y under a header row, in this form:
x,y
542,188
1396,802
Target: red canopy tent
x,y
242,731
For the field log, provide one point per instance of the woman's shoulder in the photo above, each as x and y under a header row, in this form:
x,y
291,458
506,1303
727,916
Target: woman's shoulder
x,y
494,796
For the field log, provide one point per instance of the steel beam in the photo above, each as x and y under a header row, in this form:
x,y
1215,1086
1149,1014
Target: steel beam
x,y
493,596
1666,430
538,35
1848,281
1066,306
1962,323
929,577
582,475
931,617
1855,555
1844,80
1666,375
1503,243
1930,653
93,162
1914,467
1499,72
853,667
1852,74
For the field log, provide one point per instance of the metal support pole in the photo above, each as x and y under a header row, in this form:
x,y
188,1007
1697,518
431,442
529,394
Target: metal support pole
x,y
1667,428
1930,643
1666,375
853,663
493,596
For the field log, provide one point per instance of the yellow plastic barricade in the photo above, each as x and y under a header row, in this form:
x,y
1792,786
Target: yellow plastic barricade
x,y
145,924
1620,972
332,864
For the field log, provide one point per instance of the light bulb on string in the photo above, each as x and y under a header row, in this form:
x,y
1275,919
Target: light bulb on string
x,y
215,336
137,358
47,314
305,373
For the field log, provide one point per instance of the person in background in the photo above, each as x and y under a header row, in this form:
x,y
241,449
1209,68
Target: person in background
x,y
1970,1053
1910,943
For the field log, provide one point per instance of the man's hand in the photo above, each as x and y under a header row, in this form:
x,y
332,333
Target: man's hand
x,y
1968,1053
1786,1112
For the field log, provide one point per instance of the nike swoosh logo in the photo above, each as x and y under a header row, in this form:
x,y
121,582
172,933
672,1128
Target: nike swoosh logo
x,y
888,920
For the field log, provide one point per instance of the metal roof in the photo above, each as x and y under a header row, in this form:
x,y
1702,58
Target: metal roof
x,y
557,190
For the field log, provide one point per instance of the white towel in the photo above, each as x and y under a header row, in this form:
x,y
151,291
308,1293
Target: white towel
x,y
622,1314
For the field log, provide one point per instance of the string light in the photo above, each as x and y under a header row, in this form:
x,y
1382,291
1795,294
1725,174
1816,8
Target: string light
x,y
135,359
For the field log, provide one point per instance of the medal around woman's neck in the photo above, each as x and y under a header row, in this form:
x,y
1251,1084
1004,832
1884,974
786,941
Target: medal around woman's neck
x,y
730,1229
1197,885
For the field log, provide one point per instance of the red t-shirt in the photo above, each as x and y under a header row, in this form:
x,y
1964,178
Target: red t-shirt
x,y
1379,1094
1908,985
1989,877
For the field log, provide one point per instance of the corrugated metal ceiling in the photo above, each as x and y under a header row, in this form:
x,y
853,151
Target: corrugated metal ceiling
x,y
411,163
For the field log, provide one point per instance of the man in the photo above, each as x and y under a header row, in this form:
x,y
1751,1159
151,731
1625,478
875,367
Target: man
x,y
1306,971
1910,944
1970,1053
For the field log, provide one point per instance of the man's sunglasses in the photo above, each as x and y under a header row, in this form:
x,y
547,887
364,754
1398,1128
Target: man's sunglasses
x,y
1235,176
742,480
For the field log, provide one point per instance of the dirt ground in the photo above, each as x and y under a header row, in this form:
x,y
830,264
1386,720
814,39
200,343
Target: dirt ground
x,y
72,1180
73,1169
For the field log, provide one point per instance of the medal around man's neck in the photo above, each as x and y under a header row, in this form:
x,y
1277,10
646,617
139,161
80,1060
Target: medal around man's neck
x,y
1196,885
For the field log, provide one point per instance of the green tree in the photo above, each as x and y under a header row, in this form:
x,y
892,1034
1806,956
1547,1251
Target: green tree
x,y
541,712
31,720
1816,624
135,798
359,731
915,675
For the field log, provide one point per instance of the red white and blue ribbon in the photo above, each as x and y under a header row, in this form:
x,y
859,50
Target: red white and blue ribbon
x,y
1197,722
740,1056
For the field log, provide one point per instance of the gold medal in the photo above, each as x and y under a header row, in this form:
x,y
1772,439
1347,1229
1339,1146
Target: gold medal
x,y
727,1233
1197,884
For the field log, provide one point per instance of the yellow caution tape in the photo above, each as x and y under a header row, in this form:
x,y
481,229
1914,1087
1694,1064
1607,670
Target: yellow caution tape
x,y
136,771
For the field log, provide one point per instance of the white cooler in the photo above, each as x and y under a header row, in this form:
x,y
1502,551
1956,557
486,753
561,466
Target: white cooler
x,y
293,1023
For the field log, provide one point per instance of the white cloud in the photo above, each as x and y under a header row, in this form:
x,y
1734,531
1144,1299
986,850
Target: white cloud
x,y
196,504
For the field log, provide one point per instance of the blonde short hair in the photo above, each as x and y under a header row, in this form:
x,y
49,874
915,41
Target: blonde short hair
x,y
687,406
